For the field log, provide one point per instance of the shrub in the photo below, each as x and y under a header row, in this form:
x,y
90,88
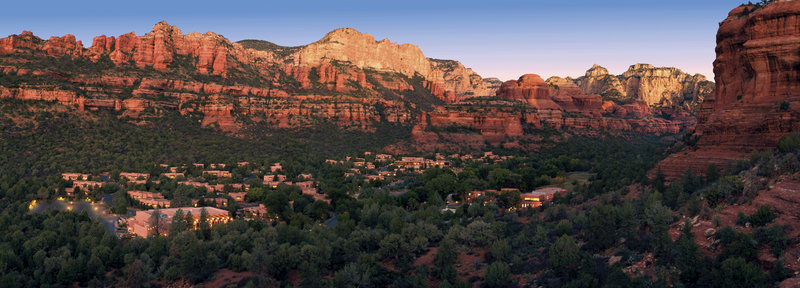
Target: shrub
x,y
764,215
774,237
497,274
789,142
724,190
783,106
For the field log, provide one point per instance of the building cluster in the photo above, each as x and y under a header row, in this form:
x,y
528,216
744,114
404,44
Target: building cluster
x,y
369,166
382,166
143,224
306,183
80,181
537,197
531,199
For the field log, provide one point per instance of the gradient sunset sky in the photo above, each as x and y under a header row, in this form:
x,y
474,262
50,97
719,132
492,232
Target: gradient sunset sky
x,y
499,38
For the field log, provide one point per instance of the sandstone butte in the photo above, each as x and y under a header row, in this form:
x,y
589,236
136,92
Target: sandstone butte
x,y
343,77
757,94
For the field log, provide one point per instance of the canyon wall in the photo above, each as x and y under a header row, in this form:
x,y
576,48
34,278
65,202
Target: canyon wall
x,y
757,95
656,86
363,51
346,78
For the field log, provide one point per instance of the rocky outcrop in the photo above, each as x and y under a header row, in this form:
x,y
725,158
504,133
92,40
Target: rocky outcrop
x,y
363,51
531,89
664,86
597,80
22,43
534,104
757,95
160,47
347,78
656,86
60,46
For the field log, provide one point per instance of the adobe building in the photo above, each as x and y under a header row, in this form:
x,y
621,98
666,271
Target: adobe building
x,y
219,173
152,199
141,225
134,176
172,175
537,197
74,176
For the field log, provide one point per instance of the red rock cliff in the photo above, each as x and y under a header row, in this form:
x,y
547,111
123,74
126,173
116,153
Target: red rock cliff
x,y
757,95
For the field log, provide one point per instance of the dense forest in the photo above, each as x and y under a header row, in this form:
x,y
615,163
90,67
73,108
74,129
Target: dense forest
x,y
612,230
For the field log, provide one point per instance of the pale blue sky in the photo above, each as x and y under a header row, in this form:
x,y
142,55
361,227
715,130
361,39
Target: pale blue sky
x,y
498,38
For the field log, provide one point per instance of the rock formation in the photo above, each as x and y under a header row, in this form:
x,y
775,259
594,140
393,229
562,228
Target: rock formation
x,y
531,89
659,86
346,78
361,49
757,95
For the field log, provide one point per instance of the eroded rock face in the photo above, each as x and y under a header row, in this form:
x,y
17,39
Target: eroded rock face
x,y
532,103
362,50
21,43
531,89
757,97
663,86
346,78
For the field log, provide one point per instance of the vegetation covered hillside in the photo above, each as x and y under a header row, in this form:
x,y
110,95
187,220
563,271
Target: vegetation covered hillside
x,y
612,229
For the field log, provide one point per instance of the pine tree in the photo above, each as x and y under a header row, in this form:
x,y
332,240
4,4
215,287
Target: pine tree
x,y
203,225
178,223
189,220
564,254
688,259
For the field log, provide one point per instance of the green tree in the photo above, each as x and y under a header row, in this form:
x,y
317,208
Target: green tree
x,y
497,274
120,203
789,142
203,225
735,272
393,246
501,250
712,173
688,261
137,275
762,216
95,267
564,254
444,259
189,220
178,223
602,227
500,178
278,202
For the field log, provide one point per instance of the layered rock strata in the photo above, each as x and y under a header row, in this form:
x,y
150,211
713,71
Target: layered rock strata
x,y
757,95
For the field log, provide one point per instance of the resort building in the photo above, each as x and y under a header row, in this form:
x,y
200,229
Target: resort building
x,y
74,176
219,173
142,226
152,199
87,185
134,176
255,211
238,196
537,197
172,175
